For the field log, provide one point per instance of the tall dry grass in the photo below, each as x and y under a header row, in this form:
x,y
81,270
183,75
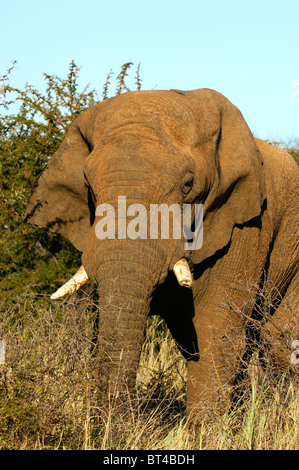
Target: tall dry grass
x,y
49,392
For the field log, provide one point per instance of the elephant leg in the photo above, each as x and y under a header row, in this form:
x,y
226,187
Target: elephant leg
x,y
280,330
228,337
222,344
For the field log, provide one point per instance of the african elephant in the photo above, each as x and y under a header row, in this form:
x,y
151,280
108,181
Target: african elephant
x,y
183,148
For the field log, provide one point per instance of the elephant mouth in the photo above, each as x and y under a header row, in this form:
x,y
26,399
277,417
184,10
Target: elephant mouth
x,y
181,271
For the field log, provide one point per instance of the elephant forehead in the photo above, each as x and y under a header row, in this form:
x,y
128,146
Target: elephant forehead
x,y
162,116
124,162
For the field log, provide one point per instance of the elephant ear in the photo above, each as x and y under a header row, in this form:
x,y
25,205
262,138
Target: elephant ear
x,y
59,200
238,192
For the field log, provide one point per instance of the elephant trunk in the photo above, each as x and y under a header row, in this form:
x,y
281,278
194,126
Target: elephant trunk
x,y
126,273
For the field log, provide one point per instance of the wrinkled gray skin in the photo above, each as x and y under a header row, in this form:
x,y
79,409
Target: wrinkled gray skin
x,y
180,147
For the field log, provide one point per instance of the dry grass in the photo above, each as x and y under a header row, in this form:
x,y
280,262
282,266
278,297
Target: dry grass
x,y
48,392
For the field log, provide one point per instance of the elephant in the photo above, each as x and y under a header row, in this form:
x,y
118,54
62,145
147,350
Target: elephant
x,y
184,148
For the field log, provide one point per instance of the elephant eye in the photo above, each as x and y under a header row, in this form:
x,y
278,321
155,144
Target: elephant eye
x,y
187,186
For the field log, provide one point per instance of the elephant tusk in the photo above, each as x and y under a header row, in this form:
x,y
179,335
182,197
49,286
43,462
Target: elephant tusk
x,y
71,286
182,273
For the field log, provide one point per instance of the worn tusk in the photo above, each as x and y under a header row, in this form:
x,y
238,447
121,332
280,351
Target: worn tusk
x,y
182,273
71,286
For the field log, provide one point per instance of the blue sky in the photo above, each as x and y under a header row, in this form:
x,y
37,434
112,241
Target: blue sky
x,y
249,51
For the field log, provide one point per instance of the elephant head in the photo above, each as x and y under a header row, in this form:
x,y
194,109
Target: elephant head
x,y
153,147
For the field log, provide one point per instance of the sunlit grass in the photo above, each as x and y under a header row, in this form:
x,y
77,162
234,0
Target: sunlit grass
x,y
48,392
